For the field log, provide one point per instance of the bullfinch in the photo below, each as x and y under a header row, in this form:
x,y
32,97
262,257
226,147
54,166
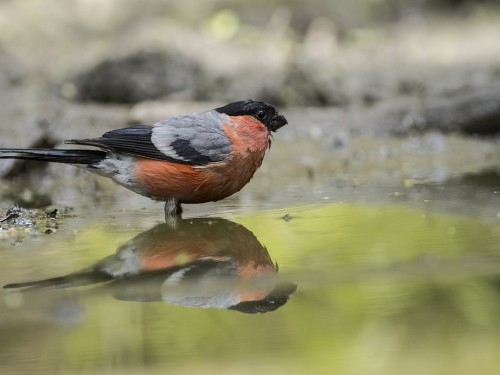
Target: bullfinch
x,y
205,263
194,158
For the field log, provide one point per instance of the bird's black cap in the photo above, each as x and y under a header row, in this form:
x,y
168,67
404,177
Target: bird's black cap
x,y
274,300
265,113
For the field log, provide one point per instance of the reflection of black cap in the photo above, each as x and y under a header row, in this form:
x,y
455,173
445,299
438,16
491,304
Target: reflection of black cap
x,y
274,300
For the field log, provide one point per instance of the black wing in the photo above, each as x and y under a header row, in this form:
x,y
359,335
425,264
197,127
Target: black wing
x,y
135,141
195,139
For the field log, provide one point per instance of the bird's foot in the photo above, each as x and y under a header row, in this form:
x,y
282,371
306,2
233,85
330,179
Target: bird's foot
x,y
173,212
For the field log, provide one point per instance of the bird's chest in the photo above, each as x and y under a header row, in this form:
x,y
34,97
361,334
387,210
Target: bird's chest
x,y
230,176
248,136
250,141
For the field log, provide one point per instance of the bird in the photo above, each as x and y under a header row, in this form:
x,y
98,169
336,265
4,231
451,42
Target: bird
x,y
203,262
193,158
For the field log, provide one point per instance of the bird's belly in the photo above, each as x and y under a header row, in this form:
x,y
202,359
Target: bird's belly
x,y
162,180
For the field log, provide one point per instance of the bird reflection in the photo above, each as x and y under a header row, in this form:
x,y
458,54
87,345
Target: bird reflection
x,y
204,263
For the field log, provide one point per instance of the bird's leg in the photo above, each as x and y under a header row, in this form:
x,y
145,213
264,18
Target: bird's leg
x,y
173,212
173,208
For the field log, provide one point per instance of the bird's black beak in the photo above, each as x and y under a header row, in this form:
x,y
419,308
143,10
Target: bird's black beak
x,y
277,122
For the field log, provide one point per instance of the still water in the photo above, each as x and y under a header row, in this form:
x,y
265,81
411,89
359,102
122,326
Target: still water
x,y
320,287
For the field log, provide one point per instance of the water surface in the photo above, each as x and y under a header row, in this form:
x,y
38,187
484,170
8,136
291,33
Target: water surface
x,y
409,282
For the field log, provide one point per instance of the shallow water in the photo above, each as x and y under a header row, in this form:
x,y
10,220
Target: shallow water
x,y
408,282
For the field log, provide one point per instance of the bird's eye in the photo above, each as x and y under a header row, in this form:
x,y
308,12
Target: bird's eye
x,y
261,115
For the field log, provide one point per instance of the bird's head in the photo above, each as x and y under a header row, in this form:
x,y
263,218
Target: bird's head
x,y
265,113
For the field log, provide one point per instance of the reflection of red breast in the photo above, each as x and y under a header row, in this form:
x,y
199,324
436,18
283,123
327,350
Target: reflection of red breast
x,y
213,239
217,239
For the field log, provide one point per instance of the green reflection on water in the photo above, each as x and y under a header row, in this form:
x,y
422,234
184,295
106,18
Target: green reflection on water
x,y
381,289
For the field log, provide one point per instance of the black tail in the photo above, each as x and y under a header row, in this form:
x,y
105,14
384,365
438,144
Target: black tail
x,y
85,277
88,157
